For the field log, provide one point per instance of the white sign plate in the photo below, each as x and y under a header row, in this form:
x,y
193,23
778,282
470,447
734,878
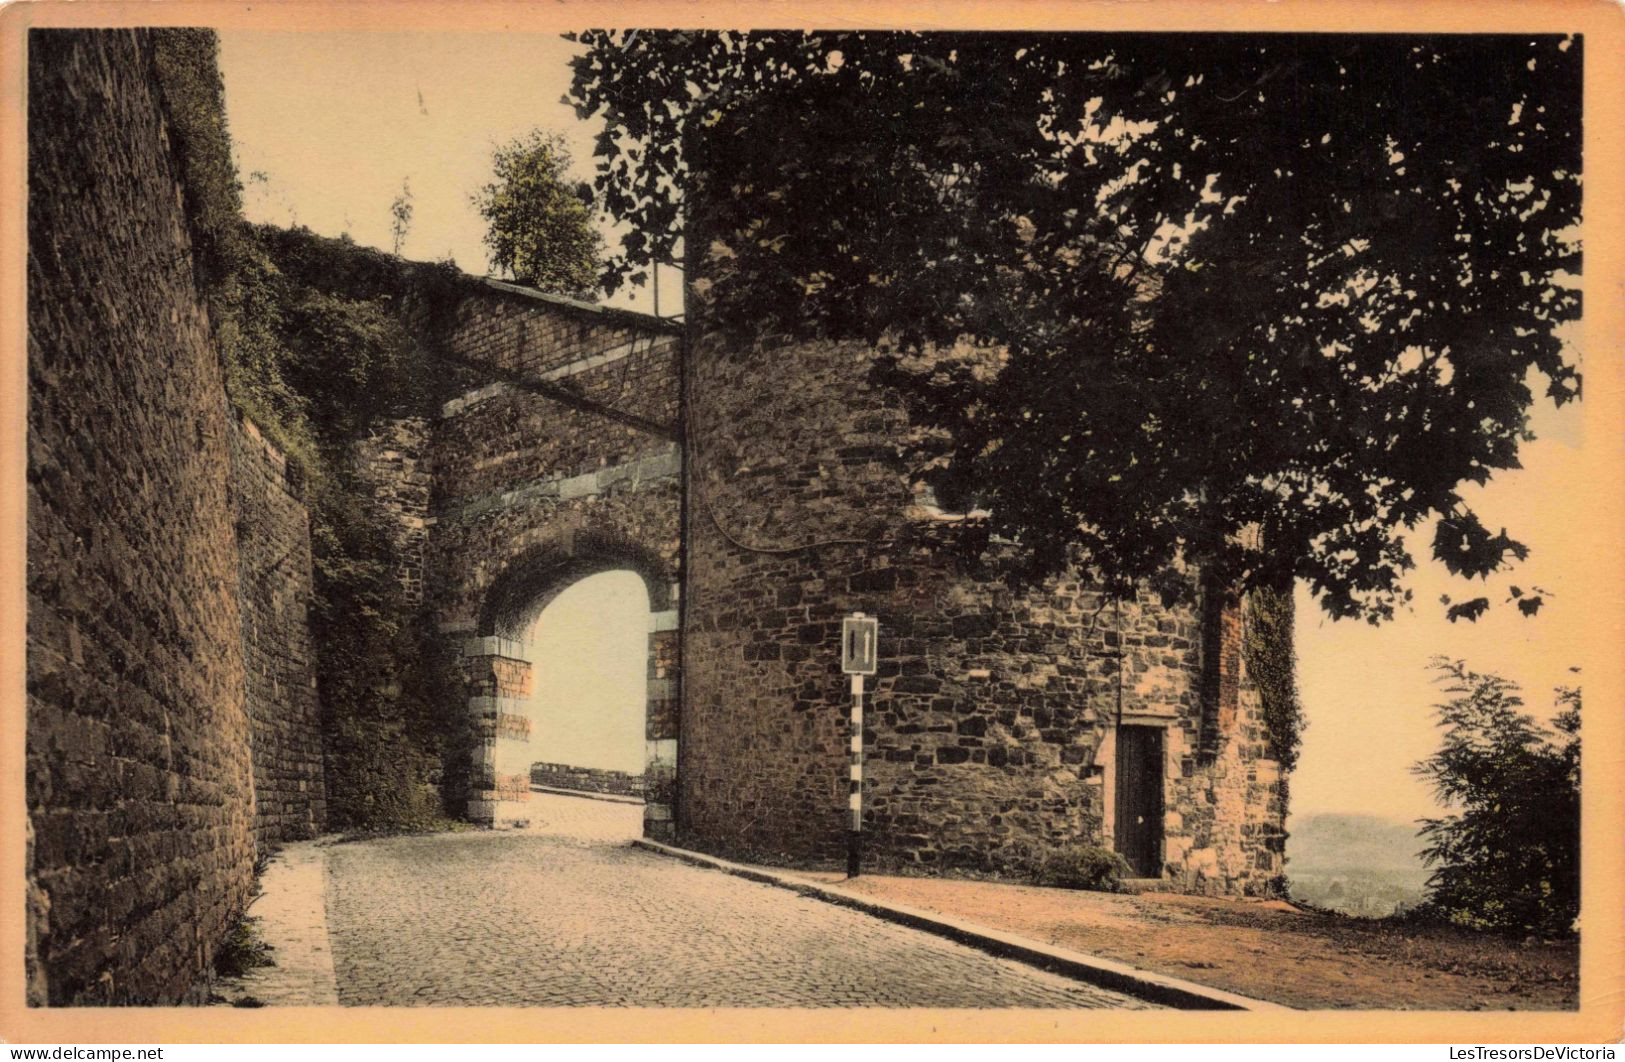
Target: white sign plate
x,y
860,640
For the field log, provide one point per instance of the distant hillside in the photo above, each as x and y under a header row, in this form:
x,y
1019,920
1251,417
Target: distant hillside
x,y
1361,864
1325,844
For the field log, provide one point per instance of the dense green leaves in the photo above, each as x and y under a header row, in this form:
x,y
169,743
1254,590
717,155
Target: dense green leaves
x,y
1507,858
1242,290
540,230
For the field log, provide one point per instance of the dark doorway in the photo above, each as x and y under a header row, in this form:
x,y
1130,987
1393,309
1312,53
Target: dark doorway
x,y
1139,798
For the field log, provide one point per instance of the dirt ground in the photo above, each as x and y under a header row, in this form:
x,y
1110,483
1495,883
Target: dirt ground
x,y
1264,949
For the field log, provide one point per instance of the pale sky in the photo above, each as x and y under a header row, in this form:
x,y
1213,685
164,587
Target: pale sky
x,y
338,121
590,664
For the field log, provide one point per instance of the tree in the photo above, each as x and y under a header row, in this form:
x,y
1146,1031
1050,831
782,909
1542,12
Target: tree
x,y
1262,303
1508,859
540,226
400,216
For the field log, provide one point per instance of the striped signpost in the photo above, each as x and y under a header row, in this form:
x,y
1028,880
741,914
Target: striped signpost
x,y
860,637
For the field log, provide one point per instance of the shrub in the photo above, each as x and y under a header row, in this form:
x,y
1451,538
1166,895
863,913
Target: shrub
x,y
1507,859
1081,867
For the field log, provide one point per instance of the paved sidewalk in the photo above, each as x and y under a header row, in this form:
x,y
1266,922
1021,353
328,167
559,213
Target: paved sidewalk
x,y
292,918
568,913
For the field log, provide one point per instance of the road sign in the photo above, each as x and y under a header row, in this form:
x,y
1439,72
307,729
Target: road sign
x,y
860,638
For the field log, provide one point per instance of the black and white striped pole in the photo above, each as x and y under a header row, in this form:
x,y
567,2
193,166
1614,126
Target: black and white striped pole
x,y
860,637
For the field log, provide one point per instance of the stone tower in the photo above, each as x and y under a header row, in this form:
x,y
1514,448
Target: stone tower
x,y
1002,725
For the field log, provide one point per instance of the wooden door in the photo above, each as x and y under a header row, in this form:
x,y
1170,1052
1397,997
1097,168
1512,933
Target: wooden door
x,y
1139,798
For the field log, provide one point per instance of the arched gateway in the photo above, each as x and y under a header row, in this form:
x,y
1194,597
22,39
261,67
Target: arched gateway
x,y
498,665
1003,724
561,461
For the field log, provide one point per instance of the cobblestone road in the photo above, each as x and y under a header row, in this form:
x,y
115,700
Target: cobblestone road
x,y
567,913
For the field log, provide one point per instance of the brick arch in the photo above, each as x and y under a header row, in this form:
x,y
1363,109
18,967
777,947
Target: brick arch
x,y
537,574
561,461
498,664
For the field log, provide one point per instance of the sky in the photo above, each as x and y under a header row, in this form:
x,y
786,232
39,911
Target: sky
x,y
337,123
590,674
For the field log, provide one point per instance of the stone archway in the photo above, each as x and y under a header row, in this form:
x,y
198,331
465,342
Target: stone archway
x,y
498,665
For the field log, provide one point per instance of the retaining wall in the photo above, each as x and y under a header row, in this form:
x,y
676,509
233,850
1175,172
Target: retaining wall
x,y
273,547
139,781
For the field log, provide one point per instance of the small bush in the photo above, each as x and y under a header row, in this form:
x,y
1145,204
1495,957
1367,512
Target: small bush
x,y
1081,867
242,950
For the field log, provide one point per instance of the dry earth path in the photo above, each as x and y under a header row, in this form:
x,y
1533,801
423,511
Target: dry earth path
x,y
1266,950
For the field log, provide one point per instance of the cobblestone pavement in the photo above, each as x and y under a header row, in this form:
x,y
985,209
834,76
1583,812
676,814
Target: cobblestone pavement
x,y
567,913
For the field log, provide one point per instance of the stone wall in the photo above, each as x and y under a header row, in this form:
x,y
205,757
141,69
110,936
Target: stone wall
x,y
992,726
586,779
567,464
392,461
139,781
619,368
273,545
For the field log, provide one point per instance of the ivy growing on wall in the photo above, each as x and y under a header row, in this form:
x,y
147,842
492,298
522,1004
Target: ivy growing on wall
x,y
1272,663
314,367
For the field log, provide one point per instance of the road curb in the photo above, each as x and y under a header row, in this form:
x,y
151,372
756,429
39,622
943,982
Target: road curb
x,y
1120,977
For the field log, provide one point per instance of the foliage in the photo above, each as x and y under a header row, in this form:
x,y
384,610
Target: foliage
x,y
540,228
242,950
237,281
1081,867
1272,661
351,359
1296,285
188,78
430,290
1508,858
